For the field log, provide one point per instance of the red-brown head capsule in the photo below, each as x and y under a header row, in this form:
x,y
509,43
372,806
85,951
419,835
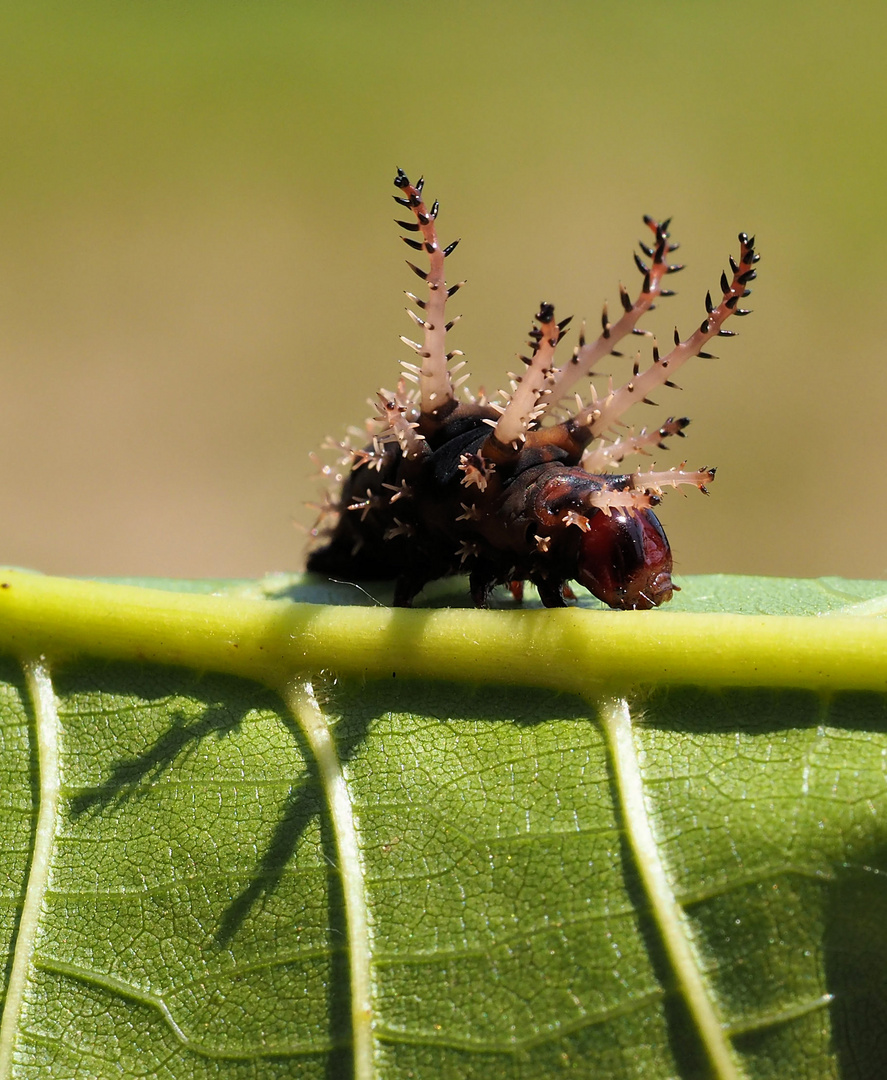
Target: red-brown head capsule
x,y
625,560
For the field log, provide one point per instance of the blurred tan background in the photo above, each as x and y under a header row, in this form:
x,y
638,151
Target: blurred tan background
x,y
200,278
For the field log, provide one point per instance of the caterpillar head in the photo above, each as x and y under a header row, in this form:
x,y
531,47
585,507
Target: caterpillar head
x,y
625,560
602,533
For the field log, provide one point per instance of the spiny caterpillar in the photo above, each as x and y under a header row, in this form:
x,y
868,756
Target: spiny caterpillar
x,y
517,490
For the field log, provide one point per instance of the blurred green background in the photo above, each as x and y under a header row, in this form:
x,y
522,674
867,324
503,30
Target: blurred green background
x,y
200,278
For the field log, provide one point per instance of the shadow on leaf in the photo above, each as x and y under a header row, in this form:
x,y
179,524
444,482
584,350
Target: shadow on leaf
x,y
855,956
130,774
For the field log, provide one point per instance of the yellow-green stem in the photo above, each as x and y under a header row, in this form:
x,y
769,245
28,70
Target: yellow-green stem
x,y
567,649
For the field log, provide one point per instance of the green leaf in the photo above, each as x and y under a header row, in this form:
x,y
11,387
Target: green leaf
x,y
247,834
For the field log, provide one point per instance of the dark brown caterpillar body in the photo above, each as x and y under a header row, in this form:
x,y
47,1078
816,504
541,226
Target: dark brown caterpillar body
x,y
504,491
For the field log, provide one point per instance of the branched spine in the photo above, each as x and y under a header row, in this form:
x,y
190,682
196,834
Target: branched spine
x,y
526,403
589,353
435,383
656,481
601,415
394,408
608,454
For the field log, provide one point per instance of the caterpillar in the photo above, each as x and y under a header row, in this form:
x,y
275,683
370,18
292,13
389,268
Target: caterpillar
x,y
518,489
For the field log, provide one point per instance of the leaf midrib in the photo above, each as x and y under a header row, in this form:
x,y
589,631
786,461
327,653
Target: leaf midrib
x,y
568,650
